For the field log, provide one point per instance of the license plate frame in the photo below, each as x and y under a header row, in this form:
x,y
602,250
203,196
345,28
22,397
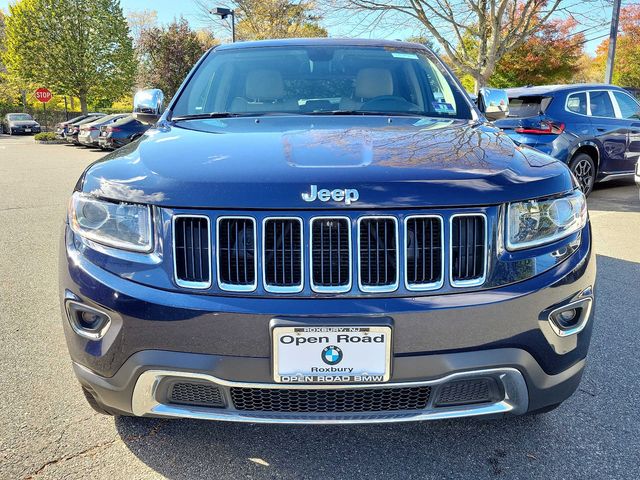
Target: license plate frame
x,y
318,355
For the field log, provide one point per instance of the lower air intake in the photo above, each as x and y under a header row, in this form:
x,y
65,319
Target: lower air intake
x,y
197,394
330,401
467,392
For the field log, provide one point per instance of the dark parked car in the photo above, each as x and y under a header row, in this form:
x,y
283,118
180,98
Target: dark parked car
x,y
595,129
63,127
326,231
19,123
120,133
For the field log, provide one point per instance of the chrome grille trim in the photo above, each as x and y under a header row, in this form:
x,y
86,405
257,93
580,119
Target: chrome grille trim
x,y
232,287
185,283
423,287
381,288
351,222
476,281
276,288
332,289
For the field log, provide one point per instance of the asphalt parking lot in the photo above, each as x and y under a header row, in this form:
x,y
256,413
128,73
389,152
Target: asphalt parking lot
x,y
48,431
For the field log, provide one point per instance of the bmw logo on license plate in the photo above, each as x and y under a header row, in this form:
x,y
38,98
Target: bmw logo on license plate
x,y
331,355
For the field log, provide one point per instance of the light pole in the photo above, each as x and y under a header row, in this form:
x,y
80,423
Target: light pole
x,y
223,13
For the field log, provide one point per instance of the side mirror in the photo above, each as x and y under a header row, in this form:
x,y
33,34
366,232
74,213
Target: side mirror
x,y
148,105
494,103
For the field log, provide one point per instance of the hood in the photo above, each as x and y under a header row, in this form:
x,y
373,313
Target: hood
x,y
269,162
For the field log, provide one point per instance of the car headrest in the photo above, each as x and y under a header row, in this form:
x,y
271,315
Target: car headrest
x,y
264,84
373,82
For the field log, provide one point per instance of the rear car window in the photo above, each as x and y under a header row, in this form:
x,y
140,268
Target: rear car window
x,y
529,106
628,106
577,103
601,105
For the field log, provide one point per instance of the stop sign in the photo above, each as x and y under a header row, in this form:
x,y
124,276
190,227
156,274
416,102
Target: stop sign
x,y
43,95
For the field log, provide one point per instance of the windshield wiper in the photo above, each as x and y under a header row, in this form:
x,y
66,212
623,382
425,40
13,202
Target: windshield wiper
x,y
201,116
366,112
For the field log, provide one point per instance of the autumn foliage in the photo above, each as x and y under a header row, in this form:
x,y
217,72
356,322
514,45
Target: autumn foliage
x,y
551,55
627,62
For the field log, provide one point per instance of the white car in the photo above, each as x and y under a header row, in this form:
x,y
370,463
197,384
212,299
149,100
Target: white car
x,y
90,132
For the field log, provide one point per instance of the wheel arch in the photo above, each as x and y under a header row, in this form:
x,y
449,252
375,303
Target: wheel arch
x,y
590,148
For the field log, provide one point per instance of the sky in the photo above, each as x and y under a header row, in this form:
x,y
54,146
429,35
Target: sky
x,y
597,12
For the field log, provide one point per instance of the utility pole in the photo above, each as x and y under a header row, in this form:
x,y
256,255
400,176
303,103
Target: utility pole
x,y
613,35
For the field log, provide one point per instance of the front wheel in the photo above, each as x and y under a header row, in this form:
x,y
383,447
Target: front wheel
x,y
584,169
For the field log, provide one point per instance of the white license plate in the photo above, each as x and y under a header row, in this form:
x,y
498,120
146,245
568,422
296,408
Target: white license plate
x,y
331,354
28,130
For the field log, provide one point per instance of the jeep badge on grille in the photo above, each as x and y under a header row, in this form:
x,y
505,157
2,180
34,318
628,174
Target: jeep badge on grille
x,y
346,195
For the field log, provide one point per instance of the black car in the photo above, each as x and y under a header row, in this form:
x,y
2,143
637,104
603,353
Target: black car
x,y
15,123
63,127
120,133
595,129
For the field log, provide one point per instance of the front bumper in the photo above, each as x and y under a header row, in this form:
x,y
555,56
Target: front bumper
x,y
503,333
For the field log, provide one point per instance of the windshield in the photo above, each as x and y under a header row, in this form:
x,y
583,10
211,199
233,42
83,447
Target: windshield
x,y
322,80
19,117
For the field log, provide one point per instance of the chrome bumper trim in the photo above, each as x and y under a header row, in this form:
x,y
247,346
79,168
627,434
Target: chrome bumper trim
x,y
516,400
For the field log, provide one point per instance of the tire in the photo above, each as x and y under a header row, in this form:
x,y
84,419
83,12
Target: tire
x,y
584,169
91,400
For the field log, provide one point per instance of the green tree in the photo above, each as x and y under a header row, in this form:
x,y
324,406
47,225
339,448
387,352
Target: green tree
x,y
168,53
264,19
74,47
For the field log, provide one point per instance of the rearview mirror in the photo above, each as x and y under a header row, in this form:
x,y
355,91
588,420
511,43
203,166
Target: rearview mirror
x,y
148,105
494,103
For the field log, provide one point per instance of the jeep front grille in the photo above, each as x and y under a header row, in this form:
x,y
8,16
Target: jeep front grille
x,y
378,253
237,260
300,253
282,255
423,252
331,254
468,250
192,251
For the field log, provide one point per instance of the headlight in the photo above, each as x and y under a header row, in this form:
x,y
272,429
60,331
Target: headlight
x,y
120,225
536,222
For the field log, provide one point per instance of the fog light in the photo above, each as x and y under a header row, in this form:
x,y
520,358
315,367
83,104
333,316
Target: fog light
x,y
87,322
90,320
571,319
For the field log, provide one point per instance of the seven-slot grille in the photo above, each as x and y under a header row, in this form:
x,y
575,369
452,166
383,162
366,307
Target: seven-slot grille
x,y
468,250
282,254
378,253
192,251
331,254
423,253
237,253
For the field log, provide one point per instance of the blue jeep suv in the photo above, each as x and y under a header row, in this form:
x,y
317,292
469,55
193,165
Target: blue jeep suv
x,y
595,129
326,231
